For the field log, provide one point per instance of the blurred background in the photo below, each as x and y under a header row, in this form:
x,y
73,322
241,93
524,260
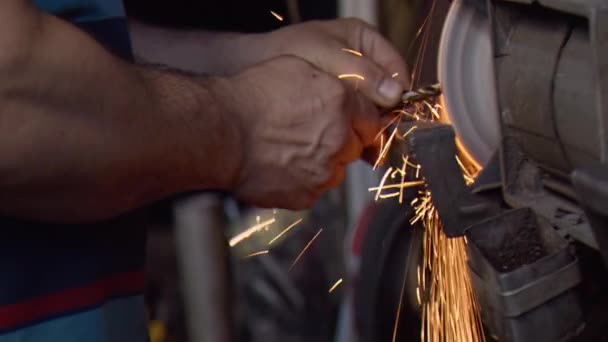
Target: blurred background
x,y
336,274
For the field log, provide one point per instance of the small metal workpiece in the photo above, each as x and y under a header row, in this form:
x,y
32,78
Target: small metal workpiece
x,y
422,93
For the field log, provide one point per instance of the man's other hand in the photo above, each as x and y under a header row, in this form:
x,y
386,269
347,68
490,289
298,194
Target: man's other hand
x,y
345,46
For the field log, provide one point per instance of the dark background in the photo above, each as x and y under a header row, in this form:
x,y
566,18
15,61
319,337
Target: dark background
x,y
225,15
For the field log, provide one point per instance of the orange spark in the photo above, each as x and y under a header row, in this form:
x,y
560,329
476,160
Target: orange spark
x,y
387,146
403,173
410,164
392,121
256,254
356,76
395,75
451,312
353,52
409,131
449,308
398,316
401,112
249,232
403,185
396,173
465,170
276,15
469,179
335,285
385,196
381,186
433,110
305,248
285,231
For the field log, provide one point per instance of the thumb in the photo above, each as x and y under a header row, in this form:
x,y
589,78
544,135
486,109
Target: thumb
x,y
366,76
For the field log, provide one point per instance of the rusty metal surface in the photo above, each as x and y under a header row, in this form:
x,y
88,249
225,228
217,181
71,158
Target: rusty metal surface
x,y
574,101
577,109
547,94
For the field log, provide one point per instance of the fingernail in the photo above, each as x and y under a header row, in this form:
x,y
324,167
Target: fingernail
x,y
390,89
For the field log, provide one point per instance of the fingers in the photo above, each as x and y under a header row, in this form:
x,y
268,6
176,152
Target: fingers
x,y
364,38
339,57
367,77
376,47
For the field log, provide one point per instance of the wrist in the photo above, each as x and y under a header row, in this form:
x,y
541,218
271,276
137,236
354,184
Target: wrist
x,y
203,150
228,151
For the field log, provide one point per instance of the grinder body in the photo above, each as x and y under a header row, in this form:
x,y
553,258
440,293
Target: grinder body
x,y
526,89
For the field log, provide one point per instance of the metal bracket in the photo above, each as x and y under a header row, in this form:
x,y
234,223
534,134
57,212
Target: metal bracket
x,y
433,146
523,187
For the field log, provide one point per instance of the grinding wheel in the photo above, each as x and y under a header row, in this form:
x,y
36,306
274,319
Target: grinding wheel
x,y
466,74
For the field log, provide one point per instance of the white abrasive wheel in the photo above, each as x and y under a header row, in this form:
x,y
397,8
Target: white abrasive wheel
x,y
466,74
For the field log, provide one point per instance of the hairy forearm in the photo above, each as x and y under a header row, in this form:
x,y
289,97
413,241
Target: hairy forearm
x,y
215,53
85,136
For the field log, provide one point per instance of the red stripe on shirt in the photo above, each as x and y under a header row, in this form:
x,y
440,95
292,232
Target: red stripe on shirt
x,y
35,309
361,229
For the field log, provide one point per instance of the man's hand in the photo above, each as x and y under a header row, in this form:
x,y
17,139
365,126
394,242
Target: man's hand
x,y
300,127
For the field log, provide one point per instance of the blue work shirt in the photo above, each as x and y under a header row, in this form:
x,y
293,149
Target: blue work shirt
x,y
81,282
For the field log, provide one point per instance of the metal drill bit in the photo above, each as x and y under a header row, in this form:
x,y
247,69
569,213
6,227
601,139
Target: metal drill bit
x,y
422,93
